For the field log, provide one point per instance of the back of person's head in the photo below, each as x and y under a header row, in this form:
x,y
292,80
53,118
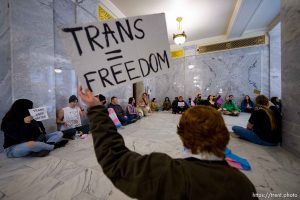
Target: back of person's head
x,y
274,100
262,100
102,98
17,112
202,129
73,98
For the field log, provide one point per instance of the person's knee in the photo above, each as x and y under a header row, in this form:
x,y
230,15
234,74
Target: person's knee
x,y
234,128
59,134
30,144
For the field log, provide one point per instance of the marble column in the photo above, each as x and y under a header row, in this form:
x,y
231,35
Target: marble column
x,y
32,52
5,63
139,90
65,81
275,61
290,43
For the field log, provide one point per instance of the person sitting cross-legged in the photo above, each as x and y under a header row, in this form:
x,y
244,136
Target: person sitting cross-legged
x,y
264,125
230,107
181,105
69,119
247,105
202,173
23,136
120,112
131,110
167,104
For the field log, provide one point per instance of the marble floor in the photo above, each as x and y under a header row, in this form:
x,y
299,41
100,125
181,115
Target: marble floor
x,y
73,173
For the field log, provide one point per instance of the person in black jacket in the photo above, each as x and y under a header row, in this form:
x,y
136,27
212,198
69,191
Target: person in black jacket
x,y
203,173
24,136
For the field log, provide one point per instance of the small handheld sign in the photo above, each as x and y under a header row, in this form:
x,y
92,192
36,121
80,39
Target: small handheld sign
x,y
39,114
113,53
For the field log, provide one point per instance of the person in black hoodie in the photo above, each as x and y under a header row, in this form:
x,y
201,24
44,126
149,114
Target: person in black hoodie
x,y
24,136
174,105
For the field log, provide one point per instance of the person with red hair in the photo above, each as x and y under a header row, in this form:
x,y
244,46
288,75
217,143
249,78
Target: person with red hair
x,y
203,174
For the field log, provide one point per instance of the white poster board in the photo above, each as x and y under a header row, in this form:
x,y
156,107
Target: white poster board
x,y
39,114
180,104
113,53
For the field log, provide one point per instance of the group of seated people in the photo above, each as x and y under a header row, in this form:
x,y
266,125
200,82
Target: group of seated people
x,y
25,136
264,125
229,107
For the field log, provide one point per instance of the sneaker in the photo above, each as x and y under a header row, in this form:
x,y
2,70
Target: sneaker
x,y
61,143
40,153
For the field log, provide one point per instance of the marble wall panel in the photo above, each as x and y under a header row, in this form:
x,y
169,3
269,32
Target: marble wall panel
x,y
275,61
65,13
236,72
5,63
32,43
265,71
87,12
65,82
290,43
168,85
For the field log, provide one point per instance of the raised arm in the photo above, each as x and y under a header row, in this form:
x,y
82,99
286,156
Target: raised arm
x,y
136,175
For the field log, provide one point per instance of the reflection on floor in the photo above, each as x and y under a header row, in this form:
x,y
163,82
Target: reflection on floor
x,y
72,172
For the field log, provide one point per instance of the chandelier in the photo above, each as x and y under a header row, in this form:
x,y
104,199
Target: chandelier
x,y
180,37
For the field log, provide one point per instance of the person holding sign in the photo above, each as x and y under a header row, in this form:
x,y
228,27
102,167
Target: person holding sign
x,y
181,105
203,173
24,136
70,119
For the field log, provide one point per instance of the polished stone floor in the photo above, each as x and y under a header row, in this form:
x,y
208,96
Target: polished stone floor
x,y
73,173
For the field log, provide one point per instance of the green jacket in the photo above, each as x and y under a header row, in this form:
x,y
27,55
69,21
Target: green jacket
x,y
157,175
231,106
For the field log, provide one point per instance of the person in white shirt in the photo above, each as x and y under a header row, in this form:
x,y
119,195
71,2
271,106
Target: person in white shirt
x,y
70,119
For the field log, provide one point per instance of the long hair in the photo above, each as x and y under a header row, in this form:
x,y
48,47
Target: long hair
x,y
202,129
17,112
262,103
247,101
130,100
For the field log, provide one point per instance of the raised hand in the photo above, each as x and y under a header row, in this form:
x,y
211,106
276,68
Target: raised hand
x,y
88,98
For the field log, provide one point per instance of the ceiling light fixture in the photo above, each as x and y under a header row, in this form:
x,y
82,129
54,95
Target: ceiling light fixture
x,y
57,70
180,37
191,66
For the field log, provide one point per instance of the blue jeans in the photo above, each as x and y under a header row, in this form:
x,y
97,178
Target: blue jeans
x,y
23,149
250,135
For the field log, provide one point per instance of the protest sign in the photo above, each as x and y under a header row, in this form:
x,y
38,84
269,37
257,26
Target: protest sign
x,y
180,104
39,114
113,53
